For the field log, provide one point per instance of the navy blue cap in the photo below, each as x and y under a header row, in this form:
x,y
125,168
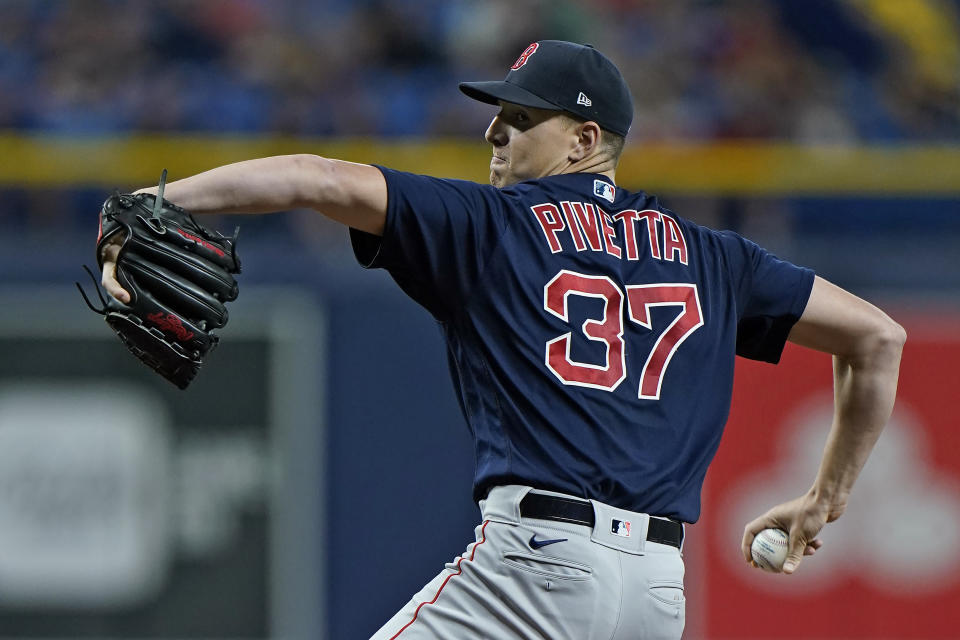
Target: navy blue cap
x,y
553,74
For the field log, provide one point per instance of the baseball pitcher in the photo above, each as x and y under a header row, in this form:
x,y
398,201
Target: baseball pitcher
x,y
591,334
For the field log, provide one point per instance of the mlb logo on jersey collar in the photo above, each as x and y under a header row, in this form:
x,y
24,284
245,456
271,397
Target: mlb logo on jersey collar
x,y
604,190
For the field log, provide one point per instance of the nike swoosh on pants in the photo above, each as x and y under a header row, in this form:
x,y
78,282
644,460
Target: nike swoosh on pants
x,y
536,544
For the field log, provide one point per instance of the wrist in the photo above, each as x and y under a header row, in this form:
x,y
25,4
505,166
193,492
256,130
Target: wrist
x,y
832,501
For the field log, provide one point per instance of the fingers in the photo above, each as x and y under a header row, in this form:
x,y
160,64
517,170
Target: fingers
x,y
813,546
798,549
110,283
109,276
793,559
749,533
791,563
745,545
110,251
799,545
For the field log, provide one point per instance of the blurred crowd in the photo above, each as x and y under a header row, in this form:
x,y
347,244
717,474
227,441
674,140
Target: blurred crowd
x,y
811,70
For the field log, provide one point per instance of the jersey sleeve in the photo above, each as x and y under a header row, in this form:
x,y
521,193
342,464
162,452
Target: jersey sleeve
x,y
437,238
771,296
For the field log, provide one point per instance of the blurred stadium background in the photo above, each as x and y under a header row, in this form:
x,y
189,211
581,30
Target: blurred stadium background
x,y
318,471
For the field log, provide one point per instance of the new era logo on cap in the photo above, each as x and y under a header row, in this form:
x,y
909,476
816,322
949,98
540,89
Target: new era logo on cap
x,y
584,100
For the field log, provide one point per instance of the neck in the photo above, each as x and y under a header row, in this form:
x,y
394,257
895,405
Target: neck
x,y
603,166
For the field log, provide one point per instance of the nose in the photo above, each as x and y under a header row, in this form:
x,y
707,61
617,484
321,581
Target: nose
x,y
496,133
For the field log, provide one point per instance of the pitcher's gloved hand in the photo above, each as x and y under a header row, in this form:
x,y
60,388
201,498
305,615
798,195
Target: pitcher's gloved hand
x,y
174,276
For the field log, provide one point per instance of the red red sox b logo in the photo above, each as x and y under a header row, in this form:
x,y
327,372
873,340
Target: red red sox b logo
x,y
522,60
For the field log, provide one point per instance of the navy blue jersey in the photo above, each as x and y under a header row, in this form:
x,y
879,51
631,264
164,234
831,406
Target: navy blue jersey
x,y
591,332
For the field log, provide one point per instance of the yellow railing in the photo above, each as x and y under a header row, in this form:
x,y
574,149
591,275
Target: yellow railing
x,y
731,168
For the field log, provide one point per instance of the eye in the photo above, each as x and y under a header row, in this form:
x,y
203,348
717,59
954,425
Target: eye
x,y
519,118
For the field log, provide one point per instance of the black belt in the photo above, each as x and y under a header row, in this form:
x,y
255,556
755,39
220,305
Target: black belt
x,y
544,507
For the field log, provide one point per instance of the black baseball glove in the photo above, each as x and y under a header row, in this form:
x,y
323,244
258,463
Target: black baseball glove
x,y
178,274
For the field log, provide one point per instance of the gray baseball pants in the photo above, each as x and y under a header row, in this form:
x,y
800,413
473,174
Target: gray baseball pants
x,y
585,583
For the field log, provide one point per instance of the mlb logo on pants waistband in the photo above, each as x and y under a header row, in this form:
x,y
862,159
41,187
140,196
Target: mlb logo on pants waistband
x,y
621,528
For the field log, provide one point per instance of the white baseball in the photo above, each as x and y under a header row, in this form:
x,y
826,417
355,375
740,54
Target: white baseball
x,y
769,549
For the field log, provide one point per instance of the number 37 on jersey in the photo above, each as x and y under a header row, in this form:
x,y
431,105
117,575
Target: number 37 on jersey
x,y
609,330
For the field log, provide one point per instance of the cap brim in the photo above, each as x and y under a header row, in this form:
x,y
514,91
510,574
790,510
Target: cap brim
x,y
493,90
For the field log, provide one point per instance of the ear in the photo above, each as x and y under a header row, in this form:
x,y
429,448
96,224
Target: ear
x,y
588,141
